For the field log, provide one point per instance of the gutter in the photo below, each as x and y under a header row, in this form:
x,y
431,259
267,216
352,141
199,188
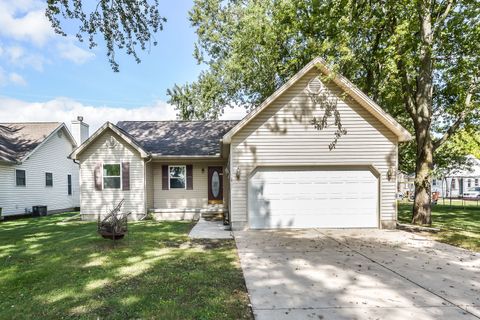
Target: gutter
x,y
157,156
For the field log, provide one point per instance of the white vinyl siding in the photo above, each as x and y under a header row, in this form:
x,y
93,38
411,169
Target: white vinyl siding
x,y
51,157
282,134
95,202
149,187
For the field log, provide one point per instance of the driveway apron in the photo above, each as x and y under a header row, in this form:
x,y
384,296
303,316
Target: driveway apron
x,y
357,274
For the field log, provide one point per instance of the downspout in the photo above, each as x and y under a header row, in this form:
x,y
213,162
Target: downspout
x,y
229,165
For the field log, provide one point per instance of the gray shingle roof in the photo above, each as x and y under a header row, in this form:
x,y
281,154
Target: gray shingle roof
x,y
19,139
178,138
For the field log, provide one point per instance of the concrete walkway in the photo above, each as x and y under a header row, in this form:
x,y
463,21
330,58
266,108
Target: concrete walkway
x,y
357,274
210,230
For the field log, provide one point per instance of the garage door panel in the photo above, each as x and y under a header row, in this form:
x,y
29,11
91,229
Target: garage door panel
x,y
315,198
296,221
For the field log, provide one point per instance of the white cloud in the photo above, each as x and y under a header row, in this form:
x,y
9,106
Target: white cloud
x,y
236,113
25,21
17,56
68,50
11,78
17,79
65,110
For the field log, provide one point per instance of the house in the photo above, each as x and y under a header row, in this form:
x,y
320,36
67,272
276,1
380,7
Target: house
x,y
35,169
272,169
456,182
405,183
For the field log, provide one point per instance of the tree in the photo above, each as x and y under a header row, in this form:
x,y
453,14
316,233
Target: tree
x,y
124,24
419,59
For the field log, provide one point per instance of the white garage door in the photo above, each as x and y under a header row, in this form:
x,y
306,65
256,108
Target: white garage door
x,y
324,198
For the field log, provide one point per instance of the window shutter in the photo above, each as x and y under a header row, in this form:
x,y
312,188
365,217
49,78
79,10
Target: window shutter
x,y
97,176
189,177
125,175
164,177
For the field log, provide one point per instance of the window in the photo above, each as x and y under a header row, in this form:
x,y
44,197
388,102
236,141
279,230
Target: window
x,y
69,184
453,184
434,182
111,176
476,182
469,183
177,177
48,179
20,178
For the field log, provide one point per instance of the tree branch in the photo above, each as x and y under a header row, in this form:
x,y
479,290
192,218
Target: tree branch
x,y
407,91
441,17
455,126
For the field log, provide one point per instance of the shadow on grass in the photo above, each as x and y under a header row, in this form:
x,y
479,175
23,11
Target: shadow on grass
x,y
53,269
460,225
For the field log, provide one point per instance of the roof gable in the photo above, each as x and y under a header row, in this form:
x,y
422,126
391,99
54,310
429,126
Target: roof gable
x,y
344,84
109,126
18,141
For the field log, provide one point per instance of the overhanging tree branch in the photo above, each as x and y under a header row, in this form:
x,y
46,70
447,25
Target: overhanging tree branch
x,y
408,93
456,125
441,17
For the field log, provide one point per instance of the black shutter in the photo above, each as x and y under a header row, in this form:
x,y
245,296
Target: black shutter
x,y
189,177
165,177
97,176
126,175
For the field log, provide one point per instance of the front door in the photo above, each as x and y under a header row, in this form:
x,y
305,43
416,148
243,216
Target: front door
x,y
215,185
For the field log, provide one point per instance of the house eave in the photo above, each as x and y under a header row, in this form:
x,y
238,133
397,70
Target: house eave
x,y
10,163
157,156
108,125
60,127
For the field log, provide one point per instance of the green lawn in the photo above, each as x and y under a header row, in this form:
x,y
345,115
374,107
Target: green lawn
x,y
53,269
459,224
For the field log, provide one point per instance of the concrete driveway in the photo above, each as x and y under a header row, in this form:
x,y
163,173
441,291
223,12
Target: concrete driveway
x,y
357,274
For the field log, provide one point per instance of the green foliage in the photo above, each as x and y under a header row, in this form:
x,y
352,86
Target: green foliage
x,y
252,47
452,155
52,269
123,24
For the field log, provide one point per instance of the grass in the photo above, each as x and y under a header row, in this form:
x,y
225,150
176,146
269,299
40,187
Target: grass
x,y
54,269
459,224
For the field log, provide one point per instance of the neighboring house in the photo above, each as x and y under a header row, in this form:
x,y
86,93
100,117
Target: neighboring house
x,y
455,183
272,169
405,183
35,169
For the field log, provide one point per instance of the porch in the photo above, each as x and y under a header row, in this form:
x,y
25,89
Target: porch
x,y
187,189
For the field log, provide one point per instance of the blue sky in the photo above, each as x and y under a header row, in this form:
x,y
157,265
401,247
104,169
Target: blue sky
x,y
44,76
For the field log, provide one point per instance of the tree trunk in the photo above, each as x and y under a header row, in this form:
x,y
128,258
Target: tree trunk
x,y
422,211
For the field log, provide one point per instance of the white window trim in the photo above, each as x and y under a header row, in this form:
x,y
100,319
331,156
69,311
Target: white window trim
x,y
16,185
46,186
103,176
174,166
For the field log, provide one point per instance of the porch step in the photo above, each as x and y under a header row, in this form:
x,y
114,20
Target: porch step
x,y
187,213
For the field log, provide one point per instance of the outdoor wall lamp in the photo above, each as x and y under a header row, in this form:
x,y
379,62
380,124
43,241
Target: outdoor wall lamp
x,y
237,172
203,170
390,173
